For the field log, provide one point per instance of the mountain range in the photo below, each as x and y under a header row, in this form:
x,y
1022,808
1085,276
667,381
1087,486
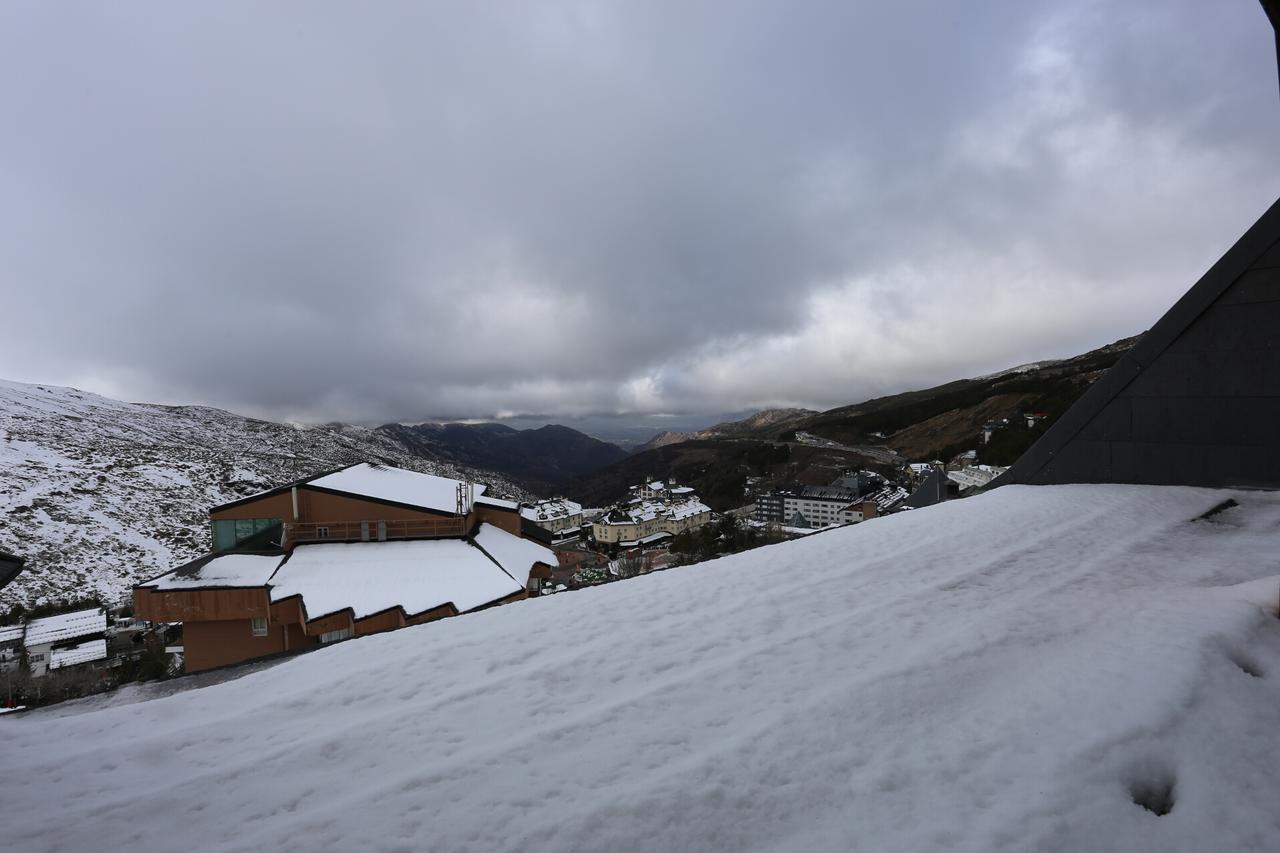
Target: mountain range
x,y
794,445
97,493
538,459
754,424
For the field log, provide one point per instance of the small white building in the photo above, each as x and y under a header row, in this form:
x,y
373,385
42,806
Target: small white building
x,y
66,639
555,515
974,477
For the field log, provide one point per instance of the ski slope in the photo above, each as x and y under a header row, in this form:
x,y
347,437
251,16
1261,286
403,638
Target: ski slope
x,y
1002,673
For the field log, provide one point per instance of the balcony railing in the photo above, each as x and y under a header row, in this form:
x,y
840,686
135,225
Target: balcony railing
x,y
372,531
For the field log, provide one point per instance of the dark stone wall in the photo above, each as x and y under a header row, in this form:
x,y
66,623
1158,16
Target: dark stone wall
x,y
1197,402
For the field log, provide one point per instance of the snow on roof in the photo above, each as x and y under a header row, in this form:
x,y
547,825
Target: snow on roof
x,y
549,510
888,496
10,633
1003,672
498,502
396,485
65,626
514,553
83,653
225,570
370,577
641,511
686,509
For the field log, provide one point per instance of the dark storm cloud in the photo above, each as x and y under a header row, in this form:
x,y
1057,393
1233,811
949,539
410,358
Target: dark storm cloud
x,y
395,211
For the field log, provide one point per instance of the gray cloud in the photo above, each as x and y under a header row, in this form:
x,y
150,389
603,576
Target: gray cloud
x,y
396,211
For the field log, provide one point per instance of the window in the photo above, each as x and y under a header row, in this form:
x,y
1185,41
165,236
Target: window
x,y
228,533
259,625
335,636
322,533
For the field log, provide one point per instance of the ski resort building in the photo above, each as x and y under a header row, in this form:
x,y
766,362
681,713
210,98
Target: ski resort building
x,y
656,510
353,552
810,506
559,516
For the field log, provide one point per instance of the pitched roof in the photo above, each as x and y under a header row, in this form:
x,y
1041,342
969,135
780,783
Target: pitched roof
x,y
514,554
66,626
220,570
384,484
418,575
86,652
932,490
551,509
395,485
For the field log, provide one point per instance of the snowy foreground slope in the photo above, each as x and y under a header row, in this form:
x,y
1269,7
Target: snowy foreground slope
x,y
98,494
999,673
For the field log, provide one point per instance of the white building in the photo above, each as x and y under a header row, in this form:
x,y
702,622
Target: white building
x,y
556,515
67,639
656,510
974,477
821,510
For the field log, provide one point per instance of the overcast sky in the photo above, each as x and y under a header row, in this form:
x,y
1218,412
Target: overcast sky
x,y
396,211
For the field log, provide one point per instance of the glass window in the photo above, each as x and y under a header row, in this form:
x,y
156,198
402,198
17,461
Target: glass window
x,y
224,535
231,532
259,626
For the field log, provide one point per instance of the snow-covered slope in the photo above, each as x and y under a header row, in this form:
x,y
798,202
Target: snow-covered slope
x,y
1003,673
97,493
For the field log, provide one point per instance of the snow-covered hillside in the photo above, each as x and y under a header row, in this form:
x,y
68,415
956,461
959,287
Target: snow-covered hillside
x,y
97,493
1003,673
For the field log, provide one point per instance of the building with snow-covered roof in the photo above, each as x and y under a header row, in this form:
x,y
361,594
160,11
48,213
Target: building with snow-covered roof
x,y
656,507
65,639
554,515
974,477
353,552
816,506
887,499
362,502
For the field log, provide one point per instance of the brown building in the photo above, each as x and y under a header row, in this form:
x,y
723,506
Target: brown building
x,y
352,552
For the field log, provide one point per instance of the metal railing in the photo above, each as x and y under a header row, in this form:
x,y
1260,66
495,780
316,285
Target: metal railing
x,y
372,531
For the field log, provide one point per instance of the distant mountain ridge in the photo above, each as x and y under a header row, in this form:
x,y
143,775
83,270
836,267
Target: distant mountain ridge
x,y
792,445
539,459
762,420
